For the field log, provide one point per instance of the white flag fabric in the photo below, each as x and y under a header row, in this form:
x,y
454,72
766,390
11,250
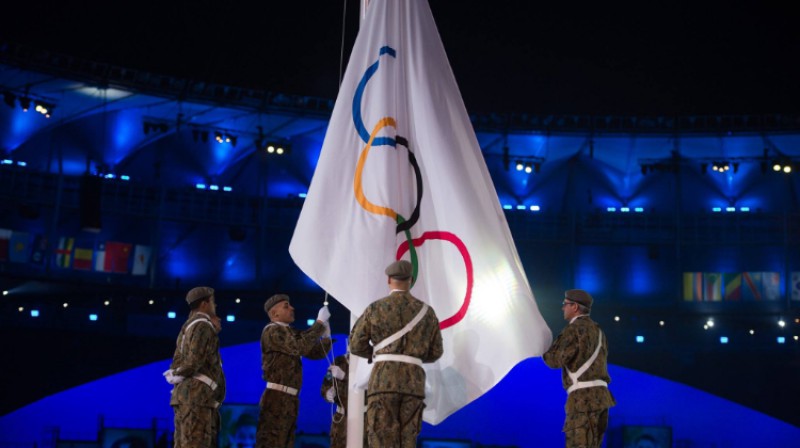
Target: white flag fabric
x,y
141,259
401,175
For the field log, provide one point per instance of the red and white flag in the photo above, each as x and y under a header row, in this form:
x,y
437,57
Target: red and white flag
x,y
401,175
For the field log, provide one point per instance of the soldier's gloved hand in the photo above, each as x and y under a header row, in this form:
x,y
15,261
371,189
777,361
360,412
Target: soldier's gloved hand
x,y
337,372
327,332
324,314
172,379
329,395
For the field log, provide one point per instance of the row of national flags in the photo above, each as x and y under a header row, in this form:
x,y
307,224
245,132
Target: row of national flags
x,y
72,253
735,287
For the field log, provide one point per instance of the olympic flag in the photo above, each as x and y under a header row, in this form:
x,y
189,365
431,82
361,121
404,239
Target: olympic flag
x,y
401,175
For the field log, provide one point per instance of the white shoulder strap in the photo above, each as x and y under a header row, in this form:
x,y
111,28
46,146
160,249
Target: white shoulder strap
x,y
403,330
183,339
574,376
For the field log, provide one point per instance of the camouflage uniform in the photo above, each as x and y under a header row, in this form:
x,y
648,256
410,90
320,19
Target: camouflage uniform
x,y
396,391
196,403
587,408
335,391
281,349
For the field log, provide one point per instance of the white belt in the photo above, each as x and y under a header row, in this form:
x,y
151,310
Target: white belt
x,y
585,384
282,388
211,383
399,358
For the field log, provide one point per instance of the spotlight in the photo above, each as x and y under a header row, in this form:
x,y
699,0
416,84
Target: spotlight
x,y
528,168
218,137
787,169
24,103
520,165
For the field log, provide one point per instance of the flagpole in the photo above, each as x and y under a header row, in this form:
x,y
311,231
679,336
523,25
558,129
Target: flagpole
x,y
356,408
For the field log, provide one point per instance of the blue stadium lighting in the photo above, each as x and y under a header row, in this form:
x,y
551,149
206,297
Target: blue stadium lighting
x,y
744,209
200,186
302,195
125,177
310,322
611,209
639,209
521,207
7,162
171,315
716,209
34,313
723,339
625,209
730,209
781,340
228,189
21,163
214,187
230,318
640,339
535,208
110,176
506,207
93,317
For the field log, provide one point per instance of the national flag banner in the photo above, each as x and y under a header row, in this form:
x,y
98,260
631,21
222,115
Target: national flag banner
x,y
5,240
401,175
82,259
733,286
751,286
141,259
117,257
100,257
795,285
712,286
64,252
692,286
39,249
19,249
771,285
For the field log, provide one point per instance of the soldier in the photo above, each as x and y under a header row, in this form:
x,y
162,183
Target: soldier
x,y
196,373
334,391
281,349
581,351
404,333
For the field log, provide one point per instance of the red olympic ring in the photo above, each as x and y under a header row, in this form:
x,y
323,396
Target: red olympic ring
x,y
462,248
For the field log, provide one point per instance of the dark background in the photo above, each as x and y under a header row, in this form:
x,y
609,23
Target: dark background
x,y
585,58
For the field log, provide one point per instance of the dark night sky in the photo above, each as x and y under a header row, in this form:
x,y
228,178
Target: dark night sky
x,y
508,56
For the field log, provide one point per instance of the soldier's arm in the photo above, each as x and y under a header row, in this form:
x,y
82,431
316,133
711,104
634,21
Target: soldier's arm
x,y
436,347
563,350
359,338
195,349
309,343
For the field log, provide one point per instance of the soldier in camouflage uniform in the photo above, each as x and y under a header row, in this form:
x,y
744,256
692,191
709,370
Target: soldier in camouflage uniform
x,y
281,349
334,391
396,390
581,351
196,373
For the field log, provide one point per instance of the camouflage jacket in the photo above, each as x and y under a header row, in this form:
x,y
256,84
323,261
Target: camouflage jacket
x,y
281,349
197,352
571,349
339,387
384,318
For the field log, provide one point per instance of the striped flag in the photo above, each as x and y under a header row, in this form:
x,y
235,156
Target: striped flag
x,y
141,259
100,257
401,175
733,286
82,260
692,286
64,252
712,286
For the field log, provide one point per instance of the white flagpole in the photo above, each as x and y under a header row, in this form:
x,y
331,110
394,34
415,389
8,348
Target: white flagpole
x,y
355,398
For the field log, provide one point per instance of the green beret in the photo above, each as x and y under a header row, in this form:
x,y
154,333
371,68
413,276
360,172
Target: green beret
x,y
579,296
199,293
400,270
274,300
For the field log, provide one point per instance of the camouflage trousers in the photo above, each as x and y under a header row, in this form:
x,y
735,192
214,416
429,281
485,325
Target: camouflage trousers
x,y
277,419
195,426
339,431
585,429
393,420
